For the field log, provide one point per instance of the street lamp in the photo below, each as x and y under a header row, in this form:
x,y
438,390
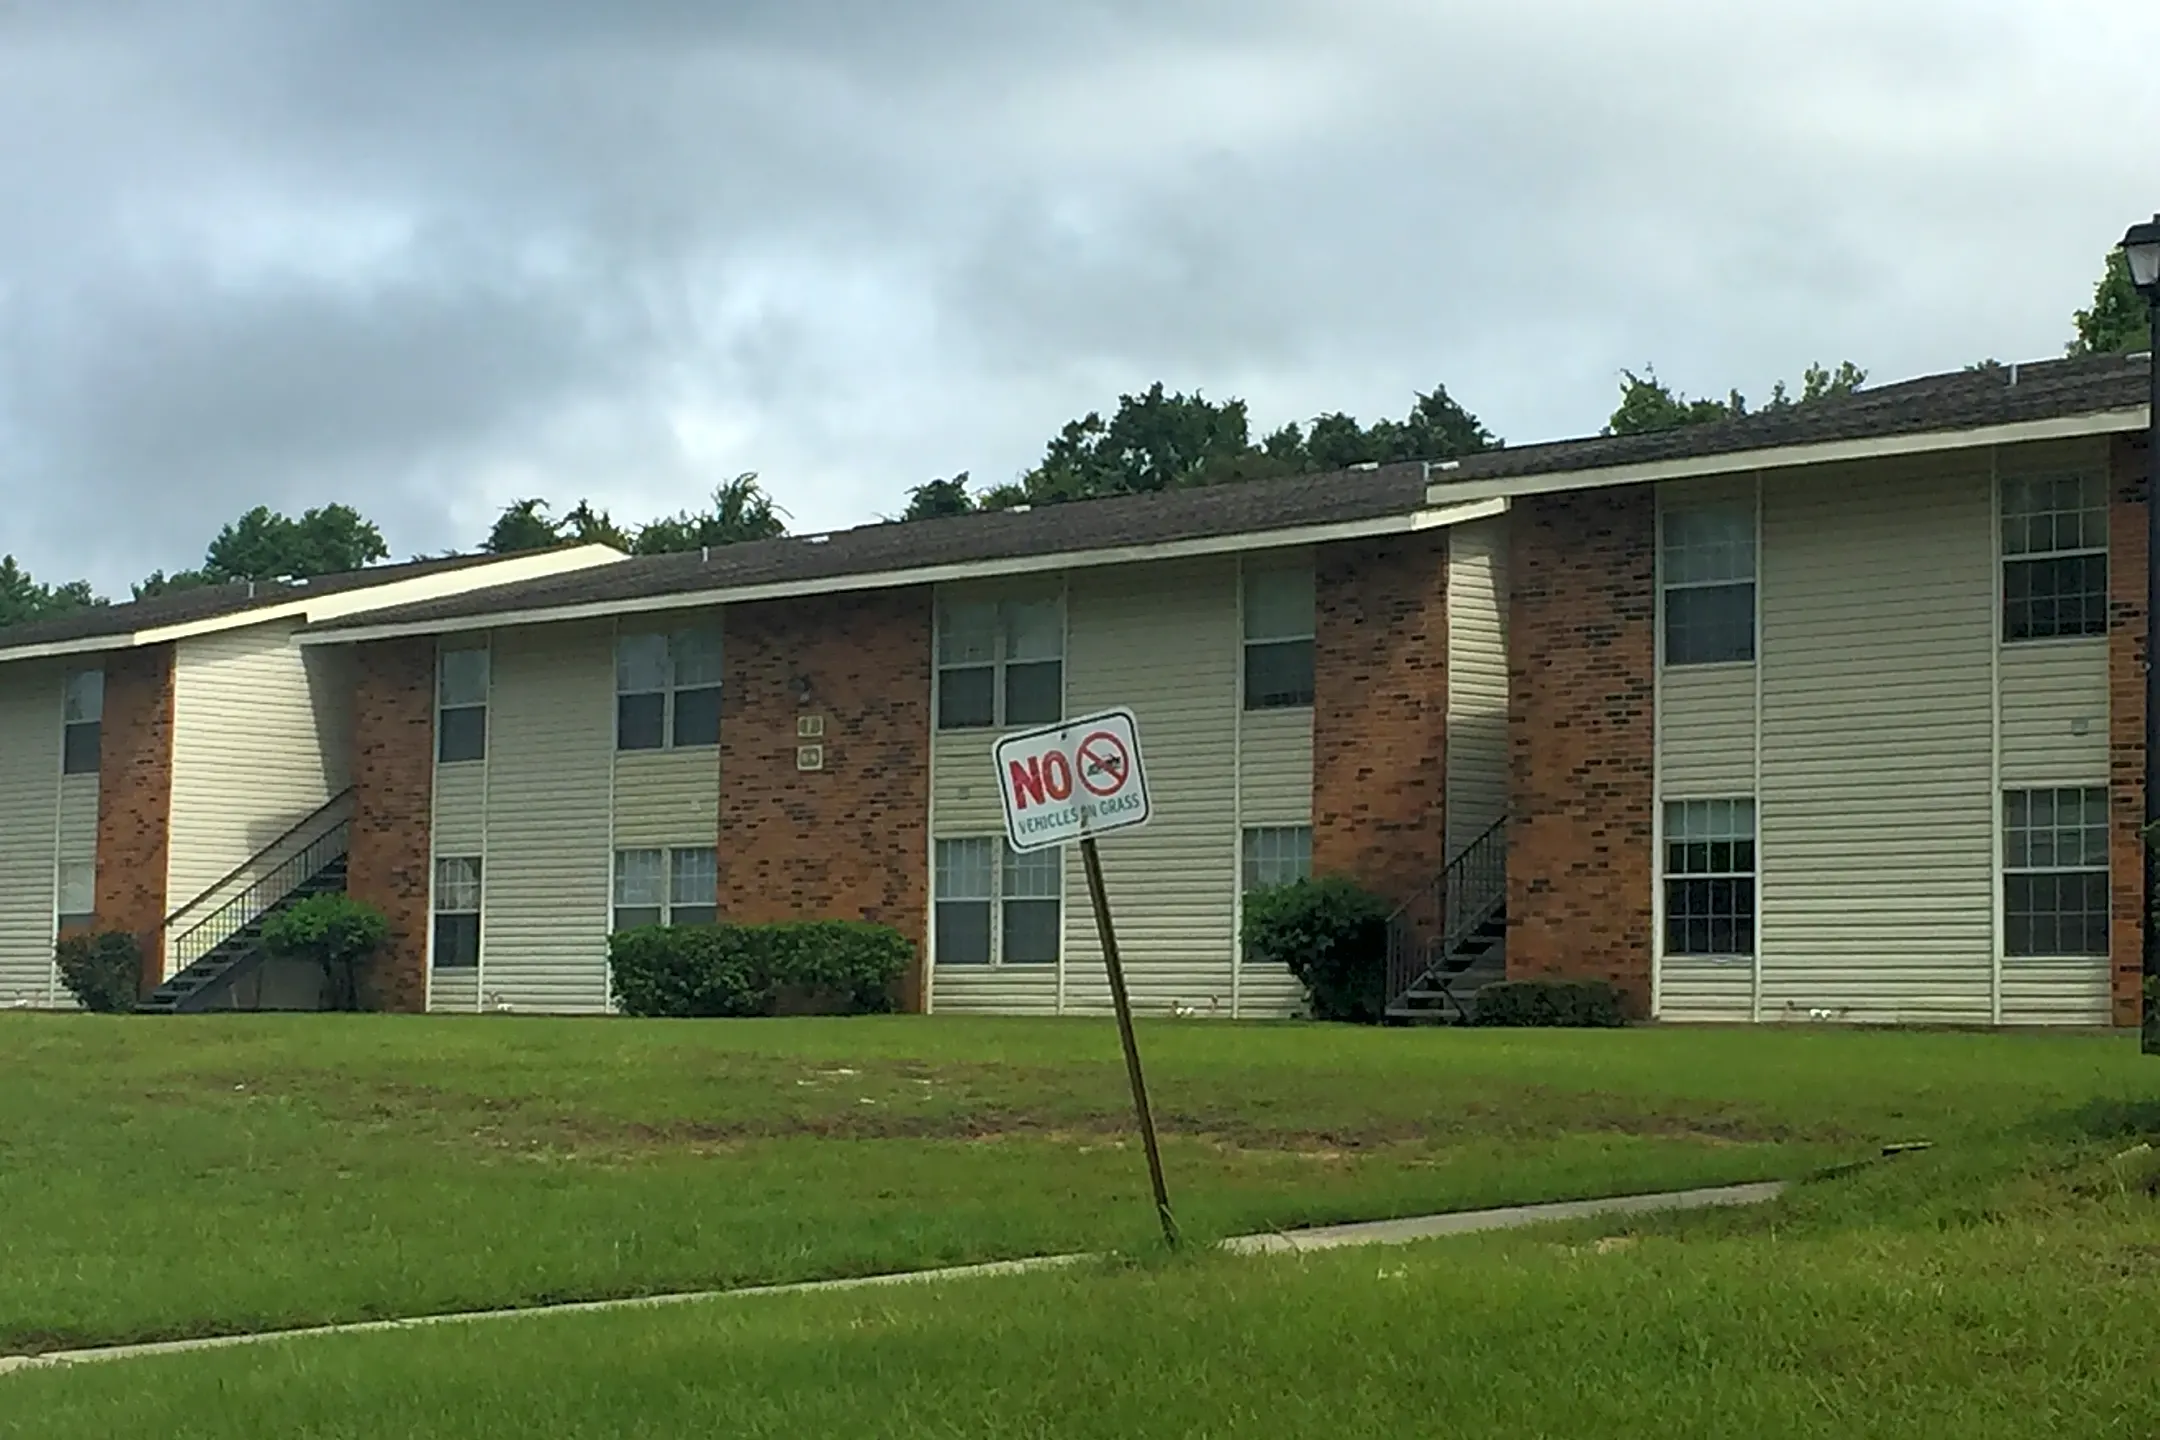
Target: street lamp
x,y
2141,247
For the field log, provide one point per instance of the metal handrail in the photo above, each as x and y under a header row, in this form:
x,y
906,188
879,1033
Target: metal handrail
x,y
1447,910
313,817
252,903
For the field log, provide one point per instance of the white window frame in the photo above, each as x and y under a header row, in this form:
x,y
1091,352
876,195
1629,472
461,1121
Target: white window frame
x,y
446,704
84,875
1254,862
446,902
2092,799
82,709
1259,638
668,900
1001,660
1669,584
1003,890
2092,510
673,645
1732,833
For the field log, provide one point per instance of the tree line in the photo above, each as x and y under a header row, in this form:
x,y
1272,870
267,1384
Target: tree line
x,y
1153,441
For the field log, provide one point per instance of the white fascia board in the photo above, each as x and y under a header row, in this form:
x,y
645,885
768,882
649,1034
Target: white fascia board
x,y
1829,452
1404,523
310,608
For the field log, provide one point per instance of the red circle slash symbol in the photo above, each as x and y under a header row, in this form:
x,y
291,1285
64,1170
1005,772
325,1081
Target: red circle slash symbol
x,y
1104,766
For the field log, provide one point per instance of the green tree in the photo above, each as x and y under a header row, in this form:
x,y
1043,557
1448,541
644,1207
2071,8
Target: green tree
x,y
266,545
2119,323
1648,404
936,499
157,582
23,599
588,526
523,525
333,931
741,510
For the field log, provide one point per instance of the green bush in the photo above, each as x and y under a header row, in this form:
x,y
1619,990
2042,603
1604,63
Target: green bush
x,y
335,932
1569,1004
811,967
1332,934
102,971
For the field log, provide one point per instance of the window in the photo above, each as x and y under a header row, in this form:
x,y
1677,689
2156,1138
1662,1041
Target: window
x,y
666,887
1277,855
965,891
667,690
996,906
84,720
1000,662
1278,639
1032,916
2054,543
457,913
78,895
1710,877
1707,573
461,706
693,886
2055,872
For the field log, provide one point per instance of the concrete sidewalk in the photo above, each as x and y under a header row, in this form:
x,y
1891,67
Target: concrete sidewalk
x,y
1331,1237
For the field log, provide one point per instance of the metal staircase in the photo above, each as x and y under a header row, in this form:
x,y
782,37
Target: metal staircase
x,y
217,936
1447,941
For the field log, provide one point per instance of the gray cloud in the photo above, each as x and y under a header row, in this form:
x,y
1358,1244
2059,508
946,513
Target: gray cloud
x,y
427,258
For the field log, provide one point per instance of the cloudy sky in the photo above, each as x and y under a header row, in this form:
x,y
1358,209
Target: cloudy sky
x,y
425,257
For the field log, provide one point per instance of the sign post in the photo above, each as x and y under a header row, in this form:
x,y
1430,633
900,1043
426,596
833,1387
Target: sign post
x,y
1073,782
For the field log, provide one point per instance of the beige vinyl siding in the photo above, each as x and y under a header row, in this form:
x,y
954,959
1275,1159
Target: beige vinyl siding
x,y
1477,681
454,992
2057,992
30,723
2055,713
460,824
1698,988
551,749
78,819
1162,640
964,802
250,758
1706,731
1275,767
667,797
1877,797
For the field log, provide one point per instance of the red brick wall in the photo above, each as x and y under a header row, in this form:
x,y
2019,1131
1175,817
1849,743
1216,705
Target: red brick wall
x,y
1582,662
2126,720
135,800
849,842
1380,647
393,795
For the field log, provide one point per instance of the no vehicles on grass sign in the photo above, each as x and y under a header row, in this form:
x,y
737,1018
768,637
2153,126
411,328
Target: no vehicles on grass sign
x,y
1074,781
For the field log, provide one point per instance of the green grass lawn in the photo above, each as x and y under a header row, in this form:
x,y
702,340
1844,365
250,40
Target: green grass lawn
x,y
1983,1291
163,1178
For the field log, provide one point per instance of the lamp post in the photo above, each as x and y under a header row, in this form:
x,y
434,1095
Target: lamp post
x,y
2141,247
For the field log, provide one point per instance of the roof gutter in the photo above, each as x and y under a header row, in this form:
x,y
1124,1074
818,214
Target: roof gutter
x,y
1828,452
1402,523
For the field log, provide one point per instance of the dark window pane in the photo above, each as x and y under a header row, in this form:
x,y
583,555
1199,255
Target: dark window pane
x,y
79,748
1278,674
697,717
1035,692
1710,624
963,932
1031,932
640,722
2056,915
457,941
967,699
462,734
636,917
2046,599
1710,917
693,915
72,924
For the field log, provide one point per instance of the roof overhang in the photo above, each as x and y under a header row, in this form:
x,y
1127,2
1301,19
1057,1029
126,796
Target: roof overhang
x,y
305,608
1400,523
1780,457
